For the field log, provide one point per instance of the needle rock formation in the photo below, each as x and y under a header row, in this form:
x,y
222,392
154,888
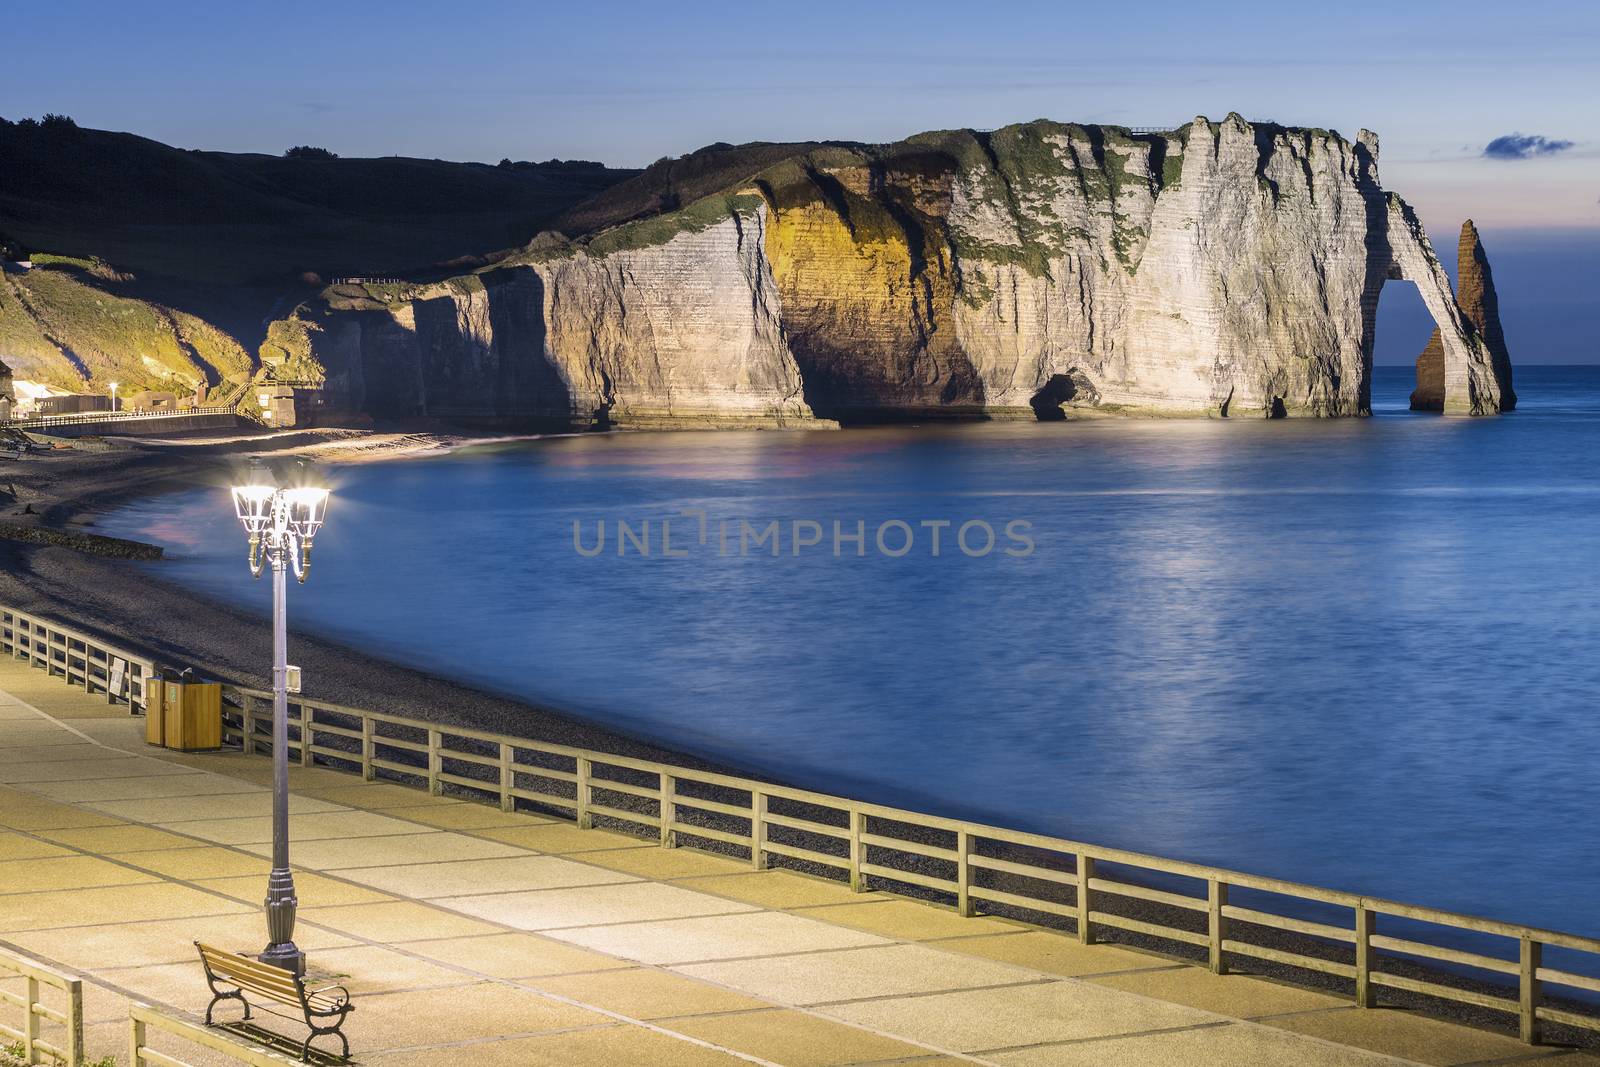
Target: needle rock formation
x,y
1476,298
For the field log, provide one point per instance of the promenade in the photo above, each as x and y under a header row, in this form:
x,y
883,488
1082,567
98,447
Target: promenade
x,y
469,935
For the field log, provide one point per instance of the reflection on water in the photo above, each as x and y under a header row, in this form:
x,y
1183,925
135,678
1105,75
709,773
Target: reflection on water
x,y
1359,653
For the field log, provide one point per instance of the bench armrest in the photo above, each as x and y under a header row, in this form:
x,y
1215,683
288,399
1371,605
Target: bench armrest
x,y
339,994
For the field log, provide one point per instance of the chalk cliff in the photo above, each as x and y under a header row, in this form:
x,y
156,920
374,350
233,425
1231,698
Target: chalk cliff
x,y
1040,270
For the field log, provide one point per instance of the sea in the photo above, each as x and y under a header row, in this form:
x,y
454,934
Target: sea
x,y
1358,653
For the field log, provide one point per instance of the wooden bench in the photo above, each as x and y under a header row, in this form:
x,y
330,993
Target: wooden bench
x,y
231,976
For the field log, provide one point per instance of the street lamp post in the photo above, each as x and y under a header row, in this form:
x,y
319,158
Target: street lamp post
x,y
281,524
113,398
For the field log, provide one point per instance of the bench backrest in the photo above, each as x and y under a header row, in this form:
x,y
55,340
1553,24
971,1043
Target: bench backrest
x,y
263,979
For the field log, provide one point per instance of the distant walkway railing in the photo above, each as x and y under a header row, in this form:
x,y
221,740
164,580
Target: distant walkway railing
x,y
69,1016
41,422
1189,910
96,665
973,866
142,1019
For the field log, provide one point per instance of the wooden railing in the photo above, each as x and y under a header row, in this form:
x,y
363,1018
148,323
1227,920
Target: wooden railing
x,y
96,665
142,1019
37,977
82,418
1204,913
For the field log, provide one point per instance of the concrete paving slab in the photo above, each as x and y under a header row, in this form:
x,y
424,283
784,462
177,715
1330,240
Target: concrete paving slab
x,y
63,872
514,955
664,863
882,970
313,890
317,826
15,846
908,920
1404,1034
980,1019
192,864
609,1046
189,809
720,937
186,784
551,909
44,815
390,850
644,993
112,904
563,837
117,838
53,753
1053,953
1235,1043
484,1010
778,889
462,877
795,1039
75,769
398,921
1235,995
369,969
141,944
351,792
466,817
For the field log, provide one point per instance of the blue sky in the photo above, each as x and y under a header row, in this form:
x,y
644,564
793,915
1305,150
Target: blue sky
x,y
627,83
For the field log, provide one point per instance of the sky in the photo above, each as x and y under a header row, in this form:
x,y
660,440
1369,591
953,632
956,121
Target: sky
x,y
627,83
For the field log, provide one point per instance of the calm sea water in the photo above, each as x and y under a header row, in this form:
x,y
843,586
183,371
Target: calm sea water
x,y
1357,653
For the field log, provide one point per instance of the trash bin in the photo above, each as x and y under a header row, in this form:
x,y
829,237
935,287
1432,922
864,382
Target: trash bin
x,y
183,713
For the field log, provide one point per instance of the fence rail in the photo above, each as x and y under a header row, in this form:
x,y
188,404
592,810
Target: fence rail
x,y
40,422
37,977
142,1019
1217,915
79,658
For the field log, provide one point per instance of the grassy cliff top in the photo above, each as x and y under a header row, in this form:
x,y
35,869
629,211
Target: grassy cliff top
x,y
242,218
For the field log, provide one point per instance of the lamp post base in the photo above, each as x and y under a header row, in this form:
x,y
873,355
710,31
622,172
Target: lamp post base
x,y
281,905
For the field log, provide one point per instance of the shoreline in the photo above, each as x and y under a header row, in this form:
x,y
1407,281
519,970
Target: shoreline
x,y
66,491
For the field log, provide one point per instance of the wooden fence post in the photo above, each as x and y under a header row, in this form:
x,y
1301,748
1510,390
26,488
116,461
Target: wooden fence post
x,y
135,1041
1528,988
248,718
368,728
435,763
669,809
858,851
75,1023
585,820
508,779
1085,899
307,735
758,830
1366,926
1216,925
963,873
30,1022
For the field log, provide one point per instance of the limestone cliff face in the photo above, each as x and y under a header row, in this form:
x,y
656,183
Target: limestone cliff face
x,y
1476,298
682,333
1034,271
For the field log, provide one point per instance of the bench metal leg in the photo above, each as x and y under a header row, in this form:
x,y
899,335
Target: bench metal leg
x,y
219,997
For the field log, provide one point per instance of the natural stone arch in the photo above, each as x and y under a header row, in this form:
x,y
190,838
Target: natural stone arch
x,y
1471,381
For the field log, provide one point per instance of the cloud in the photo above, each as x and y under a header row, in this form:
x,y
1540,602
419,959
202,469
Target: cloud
x,y
1523,146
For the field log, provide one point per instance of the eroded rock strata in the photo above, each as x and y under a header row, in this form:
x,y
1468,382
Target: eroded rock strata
x,y
1476,298
1044,269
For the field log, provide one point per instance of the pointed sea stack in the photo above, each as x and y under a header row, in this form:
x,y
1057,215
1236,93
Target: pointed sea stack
x,y
1476,298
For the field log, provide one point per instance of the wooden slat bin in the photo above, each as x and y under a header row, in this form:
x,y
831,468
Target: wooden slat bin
x,y
184,715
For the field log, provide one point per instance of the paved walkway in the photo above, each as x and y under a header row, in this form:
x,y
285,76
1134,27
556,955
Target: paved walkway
x,y
472,936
